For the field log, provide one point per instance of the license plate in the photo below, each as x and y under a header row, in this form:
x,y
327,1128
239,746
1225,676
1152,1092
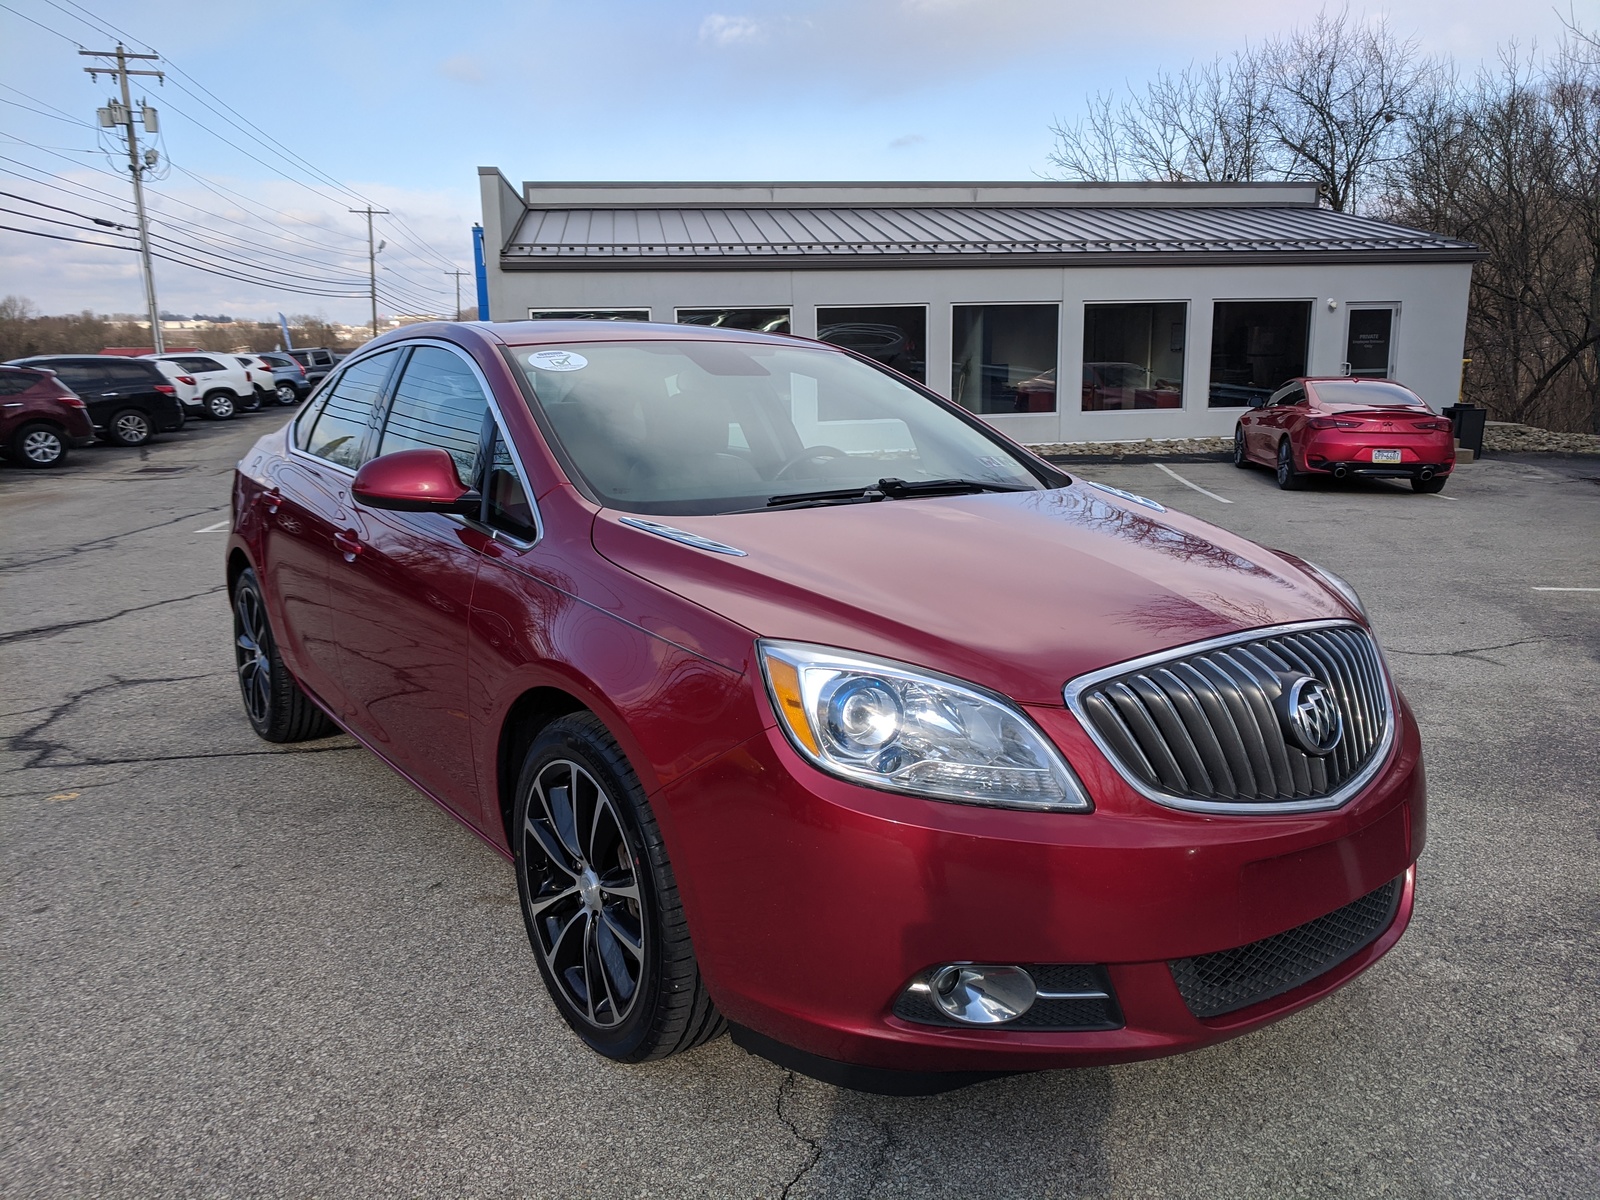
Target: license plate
x,y
1386,456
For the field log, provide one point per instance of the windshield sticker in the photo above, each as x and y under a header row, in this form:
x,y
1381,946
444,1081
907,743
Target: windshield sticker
x,y
1116,491
557,360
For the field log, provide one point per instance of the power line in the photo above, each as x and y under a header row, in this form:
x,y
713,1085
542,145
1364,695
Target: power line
x,y
297,164
41,25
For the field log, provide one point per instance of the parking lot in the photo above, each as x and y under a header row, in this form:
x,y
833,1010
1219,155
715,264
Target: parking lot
x,y
235,969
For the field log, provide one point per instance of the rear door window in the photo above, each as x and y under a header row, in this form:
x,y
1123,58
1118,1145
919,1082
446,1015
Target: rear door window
x,y
438,404
82,376
14,383
340,432
132,377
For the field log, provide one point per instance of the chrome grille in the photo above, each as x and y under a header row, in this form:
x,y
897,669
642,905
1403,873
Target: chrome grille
x,y
1200,727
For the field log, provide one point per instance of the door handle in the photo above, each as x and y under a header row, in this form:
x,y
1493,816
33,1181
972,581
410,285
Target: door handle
x,y
348,544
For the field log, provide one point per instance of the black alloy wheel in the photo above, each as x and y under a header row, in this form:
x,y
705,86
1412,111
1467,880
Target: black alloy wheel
x,y
219,406
286,394
1239,459
600,901
1289,479
130,427
278,710
38,445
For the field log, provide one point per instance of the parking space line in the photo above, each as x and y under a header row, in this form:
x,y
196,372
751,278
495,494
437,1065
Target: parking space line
x,y
1186,483
1565,589
217,528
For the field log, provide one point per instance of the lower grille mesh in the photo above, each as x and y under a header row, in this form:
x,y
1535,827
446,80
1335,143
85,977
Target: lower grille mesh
x,y
1213,984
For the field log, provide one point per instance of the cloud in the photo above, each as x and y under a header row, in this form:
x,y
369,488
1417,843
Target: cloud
x,y
906,141
720,30
463,68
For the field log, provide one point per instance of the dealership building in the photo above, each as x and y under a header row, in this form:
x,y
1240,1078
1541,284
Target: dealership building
x,y
1060,312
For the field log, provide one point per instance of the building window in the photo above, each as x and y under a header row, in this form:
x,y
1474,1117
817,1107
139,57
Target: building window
x,y
1256,347
897,337
761,320
1133,356
1005,357
588,314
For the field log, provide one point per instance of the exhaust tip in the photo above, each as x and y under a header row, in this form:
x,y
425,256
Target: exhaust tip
x,y
1427,474
1340,472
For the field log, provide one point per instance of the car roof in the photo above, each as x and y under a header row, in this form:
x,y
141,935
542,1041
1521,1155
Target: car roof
x,y
536,333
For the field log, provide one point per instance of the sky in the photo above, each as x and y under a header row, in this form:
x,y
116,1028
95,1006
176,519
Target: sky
x,y
276,119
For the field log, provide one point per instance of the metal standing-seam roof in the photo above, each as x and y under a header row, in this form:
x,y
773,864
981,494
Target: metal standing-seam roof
x,y
958,235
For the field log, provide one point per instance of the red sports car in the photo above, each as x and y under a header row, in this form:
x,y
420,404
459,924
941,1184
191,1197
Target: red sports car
x,y
804,703
1346,426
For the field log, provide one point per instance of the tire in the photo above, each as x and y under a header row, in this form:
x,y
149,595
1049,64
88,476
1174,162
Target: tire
x,y
1429,487
1289,479
130,427
219,406
286,395
1240,460
278,710
39,445
601,908
250,403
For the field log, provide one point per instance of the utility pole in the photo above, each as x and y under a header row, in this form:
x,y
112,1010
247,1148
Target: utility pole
x,y
458,274
372,260
116,115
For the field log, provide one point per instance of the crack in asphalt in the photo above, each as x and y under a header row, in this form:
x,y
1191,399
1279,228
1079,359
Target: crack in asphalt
x,y
31,739
155,758
1471,652
786,1088
49,631
107,542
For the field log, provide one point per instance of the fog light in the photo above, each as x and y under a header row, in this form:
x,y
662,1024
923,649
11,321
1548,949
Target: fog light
x,y
982,995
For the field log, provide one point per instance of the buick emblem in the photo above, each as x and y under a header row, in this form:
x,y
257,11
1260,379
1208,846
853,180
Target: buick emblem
x,y
1311,715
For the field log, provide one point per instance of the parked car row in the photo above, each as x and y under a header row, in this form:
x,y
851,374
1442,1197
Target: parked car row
x,y
53,403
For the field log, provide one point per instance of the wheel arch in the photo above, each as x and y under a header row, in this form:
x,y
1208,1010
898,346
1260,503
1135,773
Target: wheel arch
x,y
529,715
238,564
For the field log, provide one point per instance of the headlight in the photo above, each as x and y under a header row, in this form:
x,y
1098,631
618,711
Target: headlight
x,y
1338,585
891,726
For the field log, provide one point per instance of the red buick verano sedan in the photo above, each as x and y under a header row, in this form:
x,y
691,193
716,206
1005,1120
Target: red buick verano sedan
x,y
805,703
1372,428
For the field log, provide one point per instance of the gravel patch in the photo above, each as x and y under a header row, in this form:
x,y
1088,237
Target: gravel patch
x,y
1502,437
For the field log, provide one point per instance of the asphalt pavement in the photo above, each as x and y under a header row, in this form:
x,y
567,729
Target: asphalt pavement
x,y
235,969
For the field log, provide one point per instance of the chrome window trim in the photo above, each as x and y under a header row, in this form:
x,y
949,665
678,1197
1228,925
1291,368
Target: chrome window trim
x,y
498,535
1073,694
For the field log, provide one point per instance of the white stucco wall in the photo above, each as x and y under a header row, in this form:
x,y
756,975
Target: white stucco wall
x,y
1431,323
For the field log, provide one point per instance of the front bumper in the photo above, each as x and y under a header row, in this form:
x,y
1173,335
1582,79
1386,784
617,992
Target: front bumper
x,y
813,902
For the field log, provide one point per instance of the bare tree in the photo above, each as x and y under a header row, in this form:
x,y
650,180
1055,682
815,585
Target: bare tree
x,y
1206,124
1339,94
1325,104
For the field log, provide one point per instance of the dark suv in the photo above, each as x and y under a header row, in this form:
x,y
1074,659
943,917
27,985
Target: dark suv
x,y
129,400
317,360
40,417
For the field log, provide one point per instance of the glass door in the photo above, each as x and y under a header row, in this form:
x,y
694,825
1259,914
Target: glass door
x,y
1369,344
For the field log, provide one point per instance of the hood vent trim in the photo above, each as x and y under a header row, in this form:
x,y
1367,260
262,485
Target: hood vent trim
x,y
682,536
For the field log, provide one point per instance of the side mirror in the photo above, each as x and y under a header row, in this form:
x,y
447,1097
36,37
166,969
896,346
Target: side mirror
x,y
414,481
1259,401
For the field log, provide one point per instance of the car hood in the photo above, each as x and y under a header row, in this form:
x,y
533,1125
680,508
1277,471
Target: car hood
x,y
1017,592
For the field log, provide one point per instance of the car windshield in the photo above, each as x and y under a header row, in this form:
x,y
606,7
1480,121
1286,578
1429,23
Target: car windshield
x,y
1367,395
711,426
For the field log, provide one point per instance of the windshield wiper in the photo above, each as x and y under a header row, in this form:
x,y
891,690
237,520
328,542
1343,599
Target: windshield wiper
x,y
898,489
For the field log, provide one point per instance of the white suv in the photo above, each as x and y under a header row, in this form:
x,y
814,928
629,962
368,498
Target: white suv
x,y
210,385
